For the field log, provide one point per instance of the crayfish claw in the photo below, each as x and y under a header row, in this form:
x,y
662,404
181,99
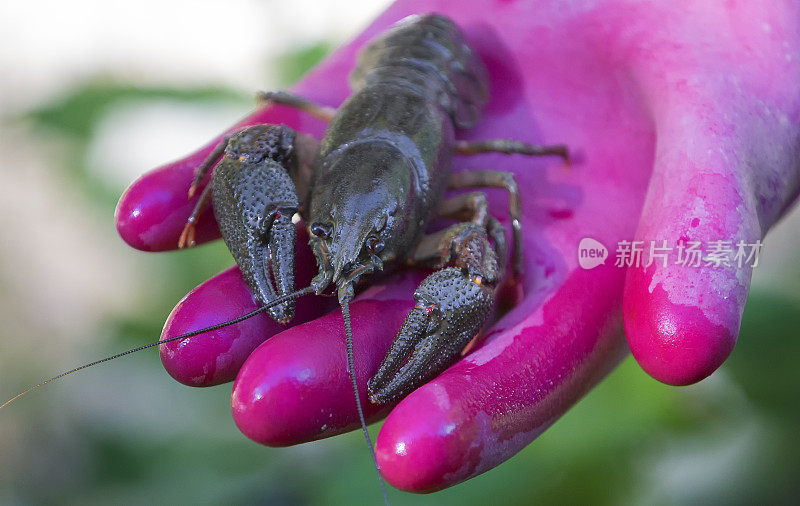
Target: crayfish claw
x,y
254,201
451,308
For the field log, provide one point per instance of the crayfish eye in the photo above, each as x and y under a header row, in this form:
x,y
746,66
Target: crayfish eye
x,y
321,230
374,244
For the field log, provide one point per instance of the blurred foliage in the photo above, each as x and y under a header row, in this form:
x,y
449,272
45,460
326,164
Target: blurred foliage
x,y
629,442
765,362
293,65
78,113
76,116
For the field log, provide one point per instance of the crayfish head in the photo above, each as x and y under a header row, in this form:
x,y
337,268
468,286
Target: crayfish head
x,y
351,239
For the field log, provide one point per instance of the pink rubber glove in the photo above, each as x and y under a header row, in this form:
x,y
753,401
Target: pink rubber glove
x,y
683,120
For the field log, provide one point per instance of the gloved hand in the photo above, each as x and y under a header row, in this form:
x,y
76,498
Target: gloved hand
x,y
683,120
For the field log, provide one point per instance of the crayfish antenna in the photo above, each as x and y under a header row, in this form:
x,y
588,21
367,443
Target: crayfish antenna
x,y
279,300
351,368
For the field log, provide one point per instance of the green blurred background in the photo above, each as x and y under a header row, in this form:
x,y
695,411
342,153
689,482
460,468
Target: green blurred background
x,y
86,107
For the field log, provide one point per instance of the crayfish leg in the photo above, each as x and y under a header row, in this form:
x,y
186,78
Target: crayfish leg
x,y
322,112
506,181
510,147
186,239
209,162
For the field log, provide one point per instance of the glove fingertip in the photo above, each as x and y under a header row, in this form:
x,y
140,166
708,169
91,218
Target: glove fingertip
x,y
215,357
295,387
418,453
674,343
153,210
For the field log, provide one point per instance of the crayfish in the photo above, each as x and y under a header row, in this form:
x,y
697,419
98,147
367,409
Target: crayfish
x,y
369,189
